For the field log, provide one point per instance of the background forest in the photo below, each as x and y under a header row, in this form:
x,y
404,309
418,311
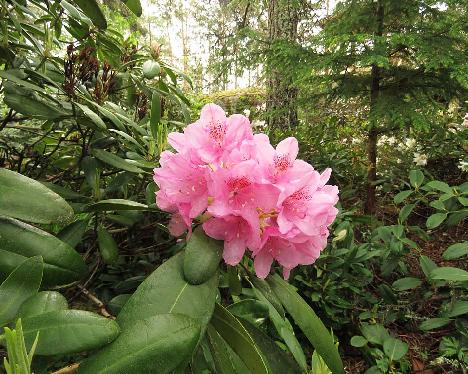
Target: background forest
x,y
374,89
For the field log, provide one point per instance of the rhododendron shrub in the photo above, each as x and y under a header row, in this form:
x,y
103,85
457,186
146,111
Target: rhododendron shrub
x,y
258,199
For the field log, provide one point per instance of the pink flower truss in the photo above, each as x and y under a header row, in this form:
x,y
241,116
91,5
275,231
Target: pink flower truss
x,y
256,197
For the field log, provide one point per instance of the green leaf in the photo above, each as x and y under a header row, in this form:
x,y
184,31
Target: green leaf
x,y
399,197
43,302
408,283
459,308
416,178
222,357
285,330
92,10
435,220
93,116
73,233
134,6
279,362
18,241
456,251
441,186
358,341
167,291
202,257
264,288
158,344
107,246
34,106
75,330
376,333
155,116
309,323
151,69
450,274
239,339
434,323
249,309
395,349
115,204
405,212
20,285
24,198
427,265
116,161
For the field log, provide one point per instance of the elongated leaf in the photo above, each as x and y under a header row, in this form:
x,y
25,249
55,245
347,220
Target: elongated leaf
x,y
92,10
115,204
155,116
134,6
239,339
166,291
20,285
435,220
450,274
24,198
73,233
202,257
459,308
116,161
285,330
107,246
158,344
309,323
399,197
279,361
223,360
427,265
69,331
408,283
43,302
441,186
456,251
18,241
93,117
434,323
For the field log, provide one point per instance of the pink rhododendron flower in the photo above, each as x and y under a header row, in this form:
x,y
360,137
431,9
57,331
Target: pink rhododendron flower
x,y
260,200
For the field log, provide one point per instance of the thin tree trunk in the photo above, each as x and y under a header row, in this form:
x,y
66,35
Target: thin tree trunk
x,y
370,205
283,18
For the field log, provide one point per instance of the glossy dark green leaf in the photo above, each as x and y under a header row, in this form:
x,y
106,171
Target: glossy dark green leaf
x,y
202,257
107,246
158,344
20,285
309,323
43,302
93,117
115,204
18,241
239,339
167,291
73,233
116,161
92,10
265,289
69,331
279,361
26,199
223,360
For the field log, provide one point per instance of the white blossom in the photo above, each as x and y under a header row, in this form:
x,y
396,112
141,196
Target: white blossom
x,y
258,123
246,112
420,159
463,165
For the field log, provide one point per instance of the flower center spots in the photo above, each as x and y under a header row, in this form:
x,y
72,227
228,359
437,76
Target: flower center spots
x,y
238,183
281,162
298,198
217,131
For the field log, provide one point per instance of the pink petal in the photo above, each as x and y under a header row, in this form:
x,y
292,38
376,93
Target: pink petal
x,y
233,251
288,146
177,225
262,264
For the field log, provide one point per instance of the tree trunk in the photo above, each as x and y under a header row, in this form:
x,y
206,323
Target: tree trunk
x,y
283,18
370,204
